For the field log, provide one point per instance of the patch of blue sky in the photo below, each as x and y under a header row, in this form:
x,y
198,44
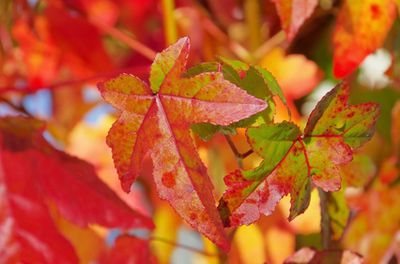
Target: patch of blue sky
x,y
39,104
188,238
53,141
95,115
91,94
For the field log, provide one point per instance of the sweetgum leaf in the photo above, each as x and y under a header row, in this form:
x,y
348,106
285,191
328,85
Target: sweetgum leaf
x,y
292,160
156,122
361,28
293,13
34,175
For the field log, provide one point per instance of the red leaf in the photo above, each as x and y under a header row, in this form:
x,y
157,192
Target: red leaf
x,y
361,28
79,41
156,122
24,216
34,174
129,249
293,13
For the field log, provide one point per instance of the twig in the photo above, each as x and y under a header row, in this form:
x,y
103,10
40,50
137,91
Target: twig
x,y
252,17
18,108
325,220
121,36
232,146
173,243
274,41
240,51
170,30
239,156
27,89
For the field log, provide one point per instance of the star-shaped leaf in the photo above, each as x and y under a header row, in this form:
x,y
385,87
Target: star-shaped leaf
x,y
293,160
155,123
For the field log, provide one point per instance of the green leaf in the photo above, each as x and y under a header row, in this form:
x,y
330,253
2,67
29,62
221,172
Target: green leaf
x,y
165,61
201,68
338,212
235,64
272,143
252,81
291,161
333,116
272,83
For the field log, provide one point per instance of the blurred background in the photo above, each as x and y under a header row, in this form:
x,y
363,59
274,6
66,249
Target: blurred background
x,y
53,52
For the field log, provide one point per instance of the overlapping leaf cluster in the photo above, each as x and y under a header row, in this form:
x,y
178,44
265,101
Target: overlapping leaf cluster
x,y
155,123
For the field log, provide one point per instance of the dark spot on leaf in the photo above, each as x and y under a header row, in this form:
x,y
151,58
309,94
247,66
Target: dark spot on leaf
x,y
168,179
375,11
193,216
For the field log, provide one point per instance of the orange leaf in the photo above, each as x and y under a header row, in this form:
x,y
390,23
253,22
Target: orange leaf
x,y
361,28
155,122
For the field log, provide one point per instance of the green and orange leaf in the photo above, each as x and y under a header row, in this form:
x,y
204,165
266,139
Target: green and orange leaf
x,y
292,160
155,123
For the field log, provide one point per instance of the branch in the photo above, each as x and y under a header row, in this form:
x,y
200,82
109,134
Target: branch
x,y
124,38
274,41
240,52
325,220
193,249
239,156
170,30
139,71
18,108
252,18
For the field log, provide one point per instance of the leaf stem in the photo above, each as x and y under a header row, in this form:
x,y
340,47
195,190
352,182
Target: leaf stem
x,y
170,31
18,108
239,156
241,52
325,220
189,248
252,16
138,71
274,41
124,38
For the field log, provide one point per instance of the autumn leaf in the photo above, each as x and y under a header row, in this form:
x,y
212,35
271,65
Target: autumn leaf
x,y
35,176
79,41
255,80
361,28
373,229
155,122
128,249
310,256
293,160
293,13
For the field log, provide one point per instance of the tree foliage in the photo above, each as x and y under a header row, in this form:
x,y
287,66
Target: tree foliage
x,y
128,126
